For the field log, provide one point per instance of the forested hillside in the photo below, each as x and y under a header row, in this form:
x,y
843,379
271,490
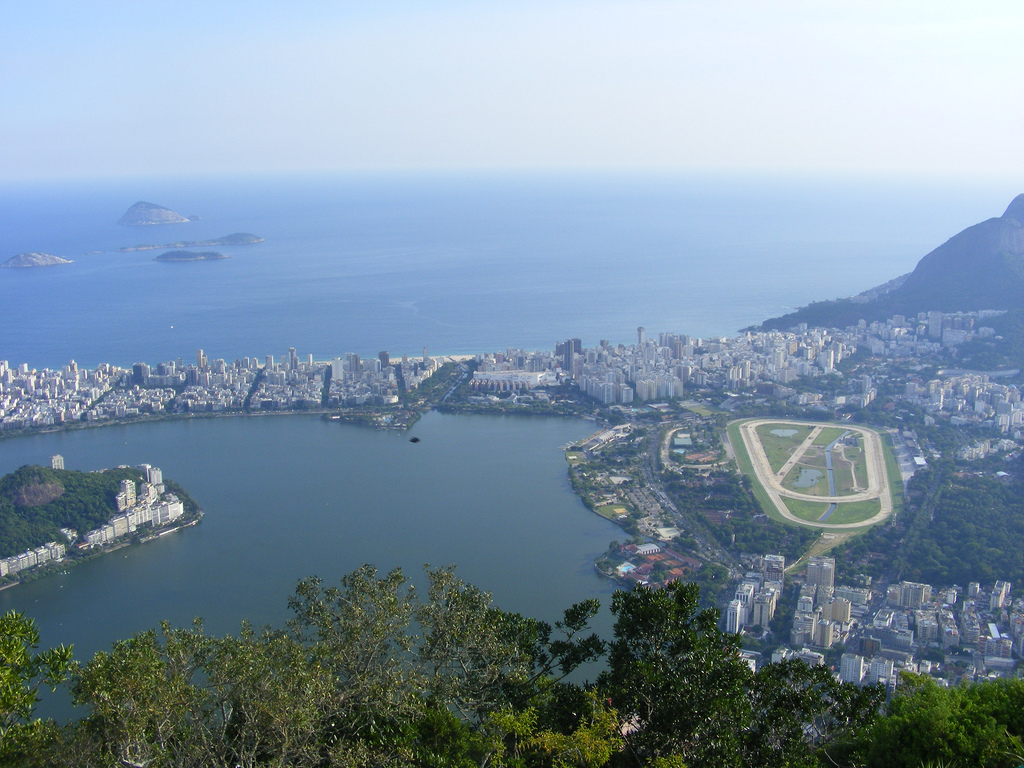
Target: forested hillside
x,y
36,502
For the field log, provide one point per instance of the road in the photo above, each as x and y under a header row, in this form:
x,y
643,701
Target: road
x,y
656,488
456,385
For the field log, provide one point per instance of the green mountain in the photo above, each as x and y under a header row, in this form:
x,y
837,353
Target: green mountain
x,y
979,268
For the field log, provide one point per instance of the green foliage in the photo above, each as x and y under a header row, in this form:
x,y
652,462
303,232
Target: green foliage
x,y
970,725
866,554
797,711
367,674
372,673
22,673
973,531
676,679
726,489
87,500
179,697
590,745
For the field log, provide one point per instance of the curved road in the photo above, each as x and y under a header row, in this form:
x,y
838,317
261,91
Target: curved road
x,y
874,457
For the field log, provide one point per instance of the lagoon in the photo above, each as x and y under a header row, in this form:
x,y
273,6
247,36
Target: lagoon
x,y
287,497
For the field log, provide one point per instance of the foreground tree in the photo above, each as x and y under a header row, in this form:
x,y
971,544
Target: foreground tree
x,y
977,725
802,716
22,673
686,696
366,674
179,697
676,679
372,672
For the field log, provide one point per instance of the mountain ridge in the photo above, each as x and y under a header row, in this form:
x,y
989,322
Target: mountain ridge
x,y
981,267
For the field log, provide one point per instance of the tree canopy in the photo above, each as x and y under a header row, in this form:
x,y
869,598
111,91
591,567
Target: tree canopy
x,y
374,672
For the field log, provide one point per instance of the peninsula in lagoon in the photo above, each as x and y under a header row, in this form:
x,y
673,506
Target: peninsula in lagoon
x,y
52,517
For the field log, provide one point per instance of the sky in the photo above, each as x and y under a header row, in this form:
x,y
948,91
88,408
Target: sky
x,y
875,87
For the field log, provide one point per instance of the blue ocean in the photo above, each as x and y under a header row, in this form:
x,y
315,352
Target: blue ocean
x,y
454,263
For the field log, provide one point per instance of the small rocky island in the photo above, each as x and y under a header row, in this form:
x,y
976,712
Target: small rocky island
x,y
34,260
143,213
190,256
238,238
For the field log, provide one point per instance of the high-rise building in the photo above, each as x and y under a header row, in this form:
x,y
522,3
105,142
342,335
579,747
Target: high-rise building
x,y
735,617
851,668
913,595
765,602
825,634
57,461
641,336
837,609
1000,595
880,669
385,359
774,568
745,594
565,350
821,571
128,489
200,359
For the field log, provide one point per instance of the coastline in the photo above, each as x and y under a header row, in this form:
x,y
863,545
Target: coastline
x,y
154,419
55,567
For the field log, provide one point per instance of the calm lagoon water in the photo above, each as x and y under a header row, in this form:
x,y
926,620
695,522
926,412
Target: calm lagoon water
x,y
292,496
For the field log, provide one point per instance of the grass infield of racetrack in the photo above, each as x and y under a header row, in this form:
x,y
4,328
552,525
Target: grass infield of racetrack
x,y
778,449
845,512
861,467
828,434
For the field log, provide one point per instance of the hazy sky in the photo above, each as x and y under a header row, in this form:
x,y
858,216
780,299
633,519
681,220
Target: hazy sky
x,y
112,88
